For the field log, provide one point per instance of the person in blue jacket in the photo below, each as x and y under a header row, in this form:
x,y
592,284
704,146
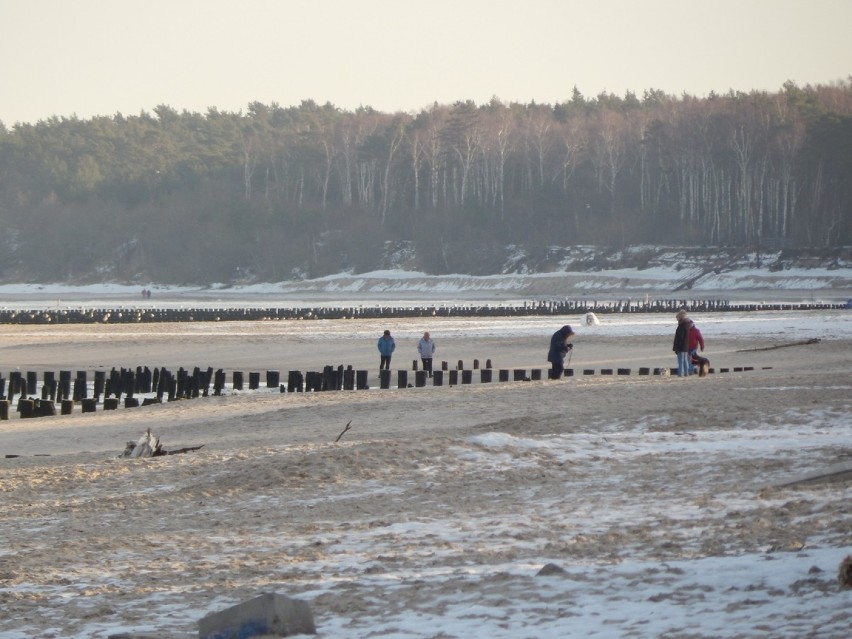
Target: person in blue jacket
x,y
386,347
559,347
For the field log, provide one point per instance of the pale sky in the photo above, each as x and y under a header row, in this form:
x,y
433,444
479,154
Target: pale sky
x,y
102,57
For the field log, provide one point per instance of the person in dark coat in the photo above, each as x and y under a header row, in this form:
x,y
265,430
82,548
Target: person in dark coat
x,y
681,343
559,347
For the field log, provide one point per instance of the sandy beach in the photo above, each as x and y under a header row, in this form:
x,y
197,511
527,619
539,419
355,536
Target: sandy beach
x,y
436,497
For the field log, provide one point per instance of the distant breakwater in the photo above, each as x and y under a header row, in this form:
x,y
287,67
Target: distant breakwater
x,y
131,315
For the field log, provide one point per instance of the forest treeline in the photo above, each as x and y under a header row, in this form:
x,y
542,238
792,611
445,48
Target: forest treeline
x,y
278,192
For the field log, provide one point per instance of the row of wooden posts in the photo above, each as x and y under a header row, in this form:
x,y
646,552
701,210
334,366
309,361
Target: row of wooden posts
x,y
552,307
160,384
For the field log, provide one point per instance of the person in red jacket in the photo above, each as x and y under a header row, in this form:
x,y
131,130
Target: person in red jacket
x,y
695,340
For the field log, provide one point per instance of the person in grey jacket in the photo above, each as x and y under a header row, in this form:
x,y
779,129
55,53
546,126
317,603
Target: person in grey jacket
x,y
386,347
426,348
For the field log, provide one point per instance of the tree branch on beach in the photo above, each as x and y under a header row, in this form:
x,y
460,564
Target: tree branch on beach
x,y
343,431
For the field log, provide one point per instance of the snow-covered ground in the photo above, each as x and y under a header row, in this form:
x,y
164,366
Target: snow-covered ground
x,y
378,287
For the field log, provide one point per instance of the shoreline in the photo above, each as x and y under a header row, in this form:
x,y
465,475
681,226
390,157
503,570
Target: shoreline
x,y
381,288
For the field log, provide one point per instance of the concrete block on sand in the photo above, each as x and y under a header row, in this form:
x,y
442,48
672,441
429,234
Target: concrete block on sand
x,y
268,614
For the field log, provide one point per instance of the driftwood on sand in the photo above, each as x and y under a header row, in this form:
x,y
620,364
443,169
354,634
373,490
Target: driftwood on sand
x,y
805,342
149,445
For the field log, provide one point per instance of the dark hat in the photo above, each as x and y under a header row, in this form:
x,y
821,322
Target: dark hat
x,y
567,330
387,332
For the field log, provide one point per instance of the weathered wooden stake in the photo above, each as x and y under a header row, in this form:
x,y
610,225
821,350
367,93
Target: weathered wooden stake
x,y
361,380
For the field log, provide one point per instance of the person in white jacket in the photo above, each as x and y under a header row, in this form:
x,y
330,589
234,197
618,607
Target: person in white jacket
x,y
426,348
